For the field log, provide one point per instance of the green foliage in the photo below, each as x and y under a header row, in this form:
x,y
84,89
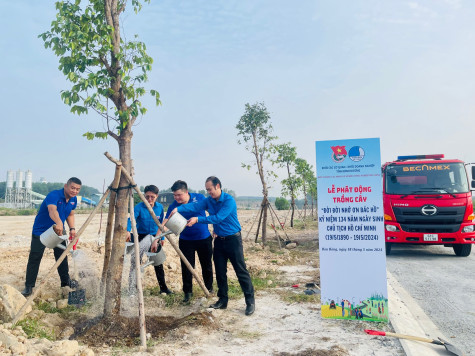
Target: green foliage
x,y
255,131
106,72
282,204
45,188
285,157
34,329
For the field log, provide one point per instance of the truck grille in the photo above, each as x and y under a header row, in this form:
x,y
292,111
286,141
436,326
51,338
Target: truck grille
x,y
447,219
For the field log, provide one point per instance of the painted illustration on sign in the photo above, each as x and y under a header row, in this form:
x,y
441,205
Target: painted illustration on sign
x,y
351,230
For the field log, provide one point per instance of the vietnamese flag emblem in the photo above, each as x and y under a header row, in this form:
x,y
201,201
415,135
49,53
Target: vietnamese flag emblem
x,y
339,153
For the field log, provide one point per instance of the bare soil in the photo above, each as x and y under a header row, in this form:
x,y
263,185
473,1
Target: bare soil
x,y
286,322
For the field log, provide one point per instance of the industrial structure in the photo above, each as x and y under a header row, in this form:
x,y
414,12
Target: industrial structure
x,y
19,193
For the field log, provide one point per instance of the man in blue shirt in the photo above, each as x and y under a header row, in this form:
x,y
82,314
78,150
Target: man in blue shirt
x,y
193,239
147,226
57,207
222,212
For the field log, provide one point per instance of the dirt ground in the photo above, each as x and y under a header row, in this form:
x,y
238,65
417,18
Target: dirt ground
x,y
286,321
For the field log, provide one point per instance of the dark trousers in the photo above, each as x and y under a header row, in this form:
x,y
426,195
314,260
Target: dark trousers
x,y
34,259
230,248
204,248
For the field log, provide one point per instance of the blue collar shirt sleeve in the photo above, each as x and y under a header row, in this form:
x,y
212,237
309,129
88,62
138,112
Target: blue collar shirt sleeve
x,y
222,214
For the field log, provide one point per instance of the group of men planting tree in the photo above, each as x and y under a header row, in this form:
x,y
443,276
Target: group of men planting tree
x,y
59,206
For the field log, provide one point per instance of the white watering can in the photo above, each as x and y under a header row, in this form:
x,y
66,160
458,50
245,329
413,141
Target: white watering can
x,y
154,258
175,224
50,239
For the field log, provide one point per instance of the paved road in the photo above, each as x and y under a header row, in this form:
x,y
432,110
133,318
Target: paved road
x,y
444,287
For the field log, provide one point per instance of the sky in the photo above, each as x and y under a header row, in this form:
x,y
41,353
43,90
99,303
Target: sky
x,y
403,71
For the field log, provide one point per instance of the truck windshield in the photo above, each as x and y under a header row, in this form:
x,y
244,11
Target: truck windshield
x,y
429,178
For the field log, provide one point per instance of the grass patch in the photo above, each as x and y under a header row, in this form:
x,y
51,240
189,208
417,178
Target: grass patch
x,y
308,223
34,329
65,312
17,212
292,297
171,300
248,335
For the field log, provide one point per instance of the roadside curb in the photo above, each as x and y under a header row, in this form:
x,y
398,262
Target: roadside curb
x,y
408,318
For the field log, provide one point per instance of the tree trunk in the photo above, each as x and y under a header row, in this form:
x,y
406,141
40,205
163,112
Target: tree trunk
x,y
264,220
292,203
114,273
305,202
110,221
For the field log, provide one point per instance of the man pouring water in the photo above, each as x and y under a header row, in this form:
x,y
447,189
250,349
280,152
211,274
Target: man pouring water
x,y
56,209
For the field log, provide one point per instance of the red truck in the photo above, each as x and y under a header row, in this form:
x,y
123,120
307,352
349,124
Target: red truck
x,y
427,200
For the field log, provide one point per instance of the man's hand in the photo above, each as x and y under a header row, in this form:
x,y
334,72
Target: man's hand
x,y
72,236
173,212
128,237
58,229
154,247
192,221
214,235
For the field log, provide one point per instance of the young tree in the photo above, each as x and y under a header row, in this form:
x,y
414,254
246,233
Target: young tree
x,y
255,131
285,157
107,73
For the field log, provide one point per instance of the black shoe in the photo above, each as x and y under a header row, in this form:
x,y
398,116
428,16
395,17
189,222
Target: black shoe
x,y
166,291
188,297
250,309
220,304
27,291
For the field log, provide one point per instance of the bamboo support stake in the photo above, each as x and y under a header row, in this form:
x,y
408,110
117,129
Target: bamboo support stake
x,y
160,226
60,259
253,222
273,227
281,225
110,218
138,275
259,224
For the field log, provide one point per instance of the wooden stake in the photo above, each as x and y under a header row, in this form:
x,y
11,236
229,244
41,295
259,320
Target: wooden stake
x,y
60,259
259,224
160,226
110,225
281,225
253,222
138,275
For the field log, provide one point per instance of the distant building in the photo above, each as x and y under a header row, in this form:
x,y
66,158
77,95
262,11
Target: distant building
x,y
165,199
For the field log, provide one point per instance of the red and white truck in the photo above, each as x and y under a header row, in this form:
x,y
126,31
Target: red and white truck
x,y
427,200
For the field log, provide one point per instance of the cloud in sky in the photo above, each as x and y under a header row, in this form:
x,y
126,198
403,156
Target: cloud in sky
x,y
399,70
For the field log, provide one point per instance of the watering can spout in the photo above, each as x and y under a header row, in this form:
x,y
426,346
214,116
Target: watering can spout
x,y
161,235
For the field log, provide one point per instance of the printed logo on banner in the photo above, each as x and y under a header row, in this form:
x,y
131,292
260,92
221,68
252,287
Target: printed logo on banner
x,y
356,153
339,153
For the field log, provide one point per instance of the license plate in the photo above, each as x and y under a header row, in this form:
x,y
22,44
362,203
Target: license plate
x,y
431,237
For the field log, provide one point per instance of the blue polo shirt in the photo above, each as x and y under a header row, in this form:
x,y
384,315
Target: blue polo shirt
x,y
197,231
56,197
145,223
222,213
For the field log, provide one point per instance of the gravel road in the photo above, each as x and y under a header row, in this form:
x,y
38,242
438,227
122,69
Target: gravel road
x,y
444,287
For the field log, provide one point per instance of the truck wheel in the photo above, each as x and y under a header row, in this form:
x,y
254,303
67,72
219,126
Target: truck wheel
x,y
389,245
462,250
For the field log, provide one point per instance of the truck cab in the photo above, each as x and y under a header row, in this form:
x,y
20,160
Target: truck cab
x,y
427,200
